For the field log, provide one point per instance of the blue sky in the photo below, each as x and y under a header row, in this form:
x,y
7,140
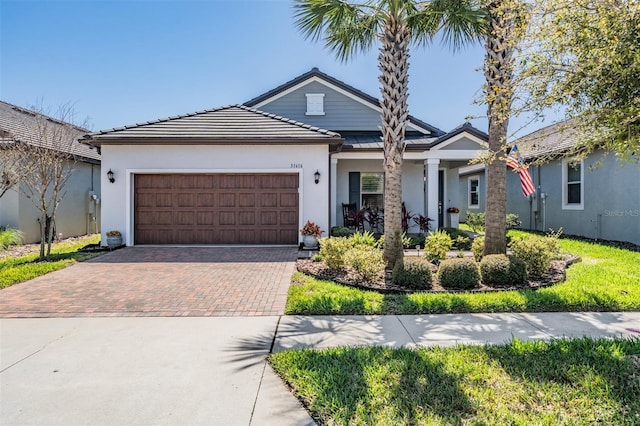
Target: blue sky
x,y
122,62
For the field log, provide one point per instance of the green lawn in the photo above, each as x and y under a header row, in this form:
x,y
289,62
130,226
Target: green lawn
x,y
572,382
607,279
16,270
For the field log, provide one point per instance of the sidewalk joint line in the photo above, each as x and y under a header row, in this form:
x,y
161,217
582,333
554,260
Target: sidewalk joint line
x,y
405,329
537,327
264,369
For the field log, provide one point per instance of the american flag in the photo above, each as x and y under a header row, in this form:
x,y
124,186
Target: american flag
x,y
514,162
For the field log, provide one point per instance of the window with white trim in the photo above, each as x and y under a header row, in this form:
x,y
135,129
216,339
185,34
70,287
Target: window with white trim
x,y
372,190
572,184
315,104
473,184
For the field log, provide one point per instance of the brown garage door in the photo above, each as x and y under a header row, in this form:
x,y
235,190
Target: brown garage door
x,y
216,209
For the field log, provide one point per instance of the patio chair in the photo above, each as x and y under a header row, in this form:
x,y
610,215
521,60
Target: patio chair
x,y
351,217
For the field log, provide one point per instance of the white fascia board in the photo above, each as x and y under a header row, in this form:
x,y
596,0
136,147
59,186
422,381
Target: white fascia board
x,y
474,168
369,155
424,155
350,95
456,138
462,154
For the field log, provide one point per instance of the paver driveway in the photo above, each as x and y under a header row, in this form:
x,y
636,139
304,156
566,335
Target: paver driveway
x,y
160,281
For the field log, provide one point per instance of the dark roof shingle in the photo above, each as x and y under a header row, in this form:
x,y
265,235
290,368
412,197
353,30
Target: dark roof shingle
x,y
228,124
17,124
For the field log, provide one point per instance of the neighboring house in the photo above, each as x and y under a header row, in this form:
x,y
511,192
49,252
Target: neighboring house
x,y
597,197
79,211
255,173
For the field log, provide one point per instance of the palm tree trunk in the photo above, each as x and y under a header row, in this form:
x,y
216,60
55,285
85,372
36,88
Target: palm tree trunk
x,y
498,71
394,65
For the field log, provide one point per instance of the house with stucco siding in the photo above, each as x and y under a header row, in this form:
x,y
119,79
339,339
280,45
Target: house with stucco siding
x,y
254,173
597,196
79,210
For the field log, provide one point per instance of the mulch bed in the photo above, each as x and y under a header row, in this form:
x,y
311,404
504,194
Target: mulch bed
x,y
382,283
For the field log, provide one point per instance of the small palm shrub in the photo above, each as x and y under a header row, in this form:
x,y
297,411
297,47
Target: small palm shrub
x,y
10,237
436,246
536,252
513,221
478,248
333,249
475,221
499,270
458,273
461,240
413,273
406,241
365,260
365,238
340,231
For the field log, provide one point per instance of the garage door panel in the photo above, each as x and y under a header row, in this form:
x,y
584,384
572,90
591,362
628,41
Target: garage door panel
x,y
268,218
184,200
289,218
184,218
269,200
289,200
163,218
246,218
246,200
227,218
227,200
216,209
205,200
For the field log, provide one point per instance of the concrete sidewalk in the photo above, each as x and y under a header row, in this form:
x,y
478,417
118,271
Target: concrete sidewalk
x,y
113,371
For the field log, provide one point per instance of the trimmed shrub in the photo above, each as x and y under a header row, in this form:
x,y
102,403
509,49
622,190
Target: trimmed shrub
x,y
499,270
365,238
365,260
414,273
406,240
436,246
478,248
340,231
10,237
458,273
536,252
333,249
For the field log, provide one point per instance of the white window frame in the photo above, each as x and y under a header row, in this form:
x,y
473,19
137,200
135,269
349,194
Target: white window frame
x,y
315,104
565,185
362,192
469,179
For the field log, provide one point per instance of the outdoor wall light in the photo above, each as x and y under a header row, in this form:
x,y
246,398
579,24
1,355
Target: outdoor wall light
x,y
316,176
110,176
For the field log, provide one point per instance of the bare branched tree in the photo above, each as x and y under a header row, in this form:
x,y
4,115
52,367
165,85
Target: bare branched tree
x,y
10,173
46,150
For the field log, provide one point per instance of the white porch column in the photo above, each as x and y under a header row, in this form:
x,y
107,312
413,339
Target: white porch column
x,y
333,189
432,164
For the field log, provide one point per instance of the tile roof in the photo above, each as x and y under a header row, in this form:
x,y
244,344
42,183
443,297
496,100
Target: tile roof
x,y
18,124
315,72
228,124
465,127
551,139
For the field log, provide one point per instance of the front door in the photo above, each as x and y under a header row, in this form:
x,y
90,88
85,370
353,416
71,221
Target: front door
x,y
441,198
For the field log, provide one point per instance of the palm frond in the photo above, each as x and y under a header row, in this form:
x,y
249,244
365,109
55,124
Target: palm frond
x,y
346,28
460,22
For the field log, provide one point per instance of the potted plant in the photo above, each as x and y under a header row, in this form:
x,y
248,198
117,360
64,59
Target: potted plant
x,y
454,216
310,233
114,238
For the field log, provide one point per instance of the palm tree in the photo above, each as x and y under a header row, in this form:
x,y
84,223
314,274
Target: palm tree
x,y
348,28
505,22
